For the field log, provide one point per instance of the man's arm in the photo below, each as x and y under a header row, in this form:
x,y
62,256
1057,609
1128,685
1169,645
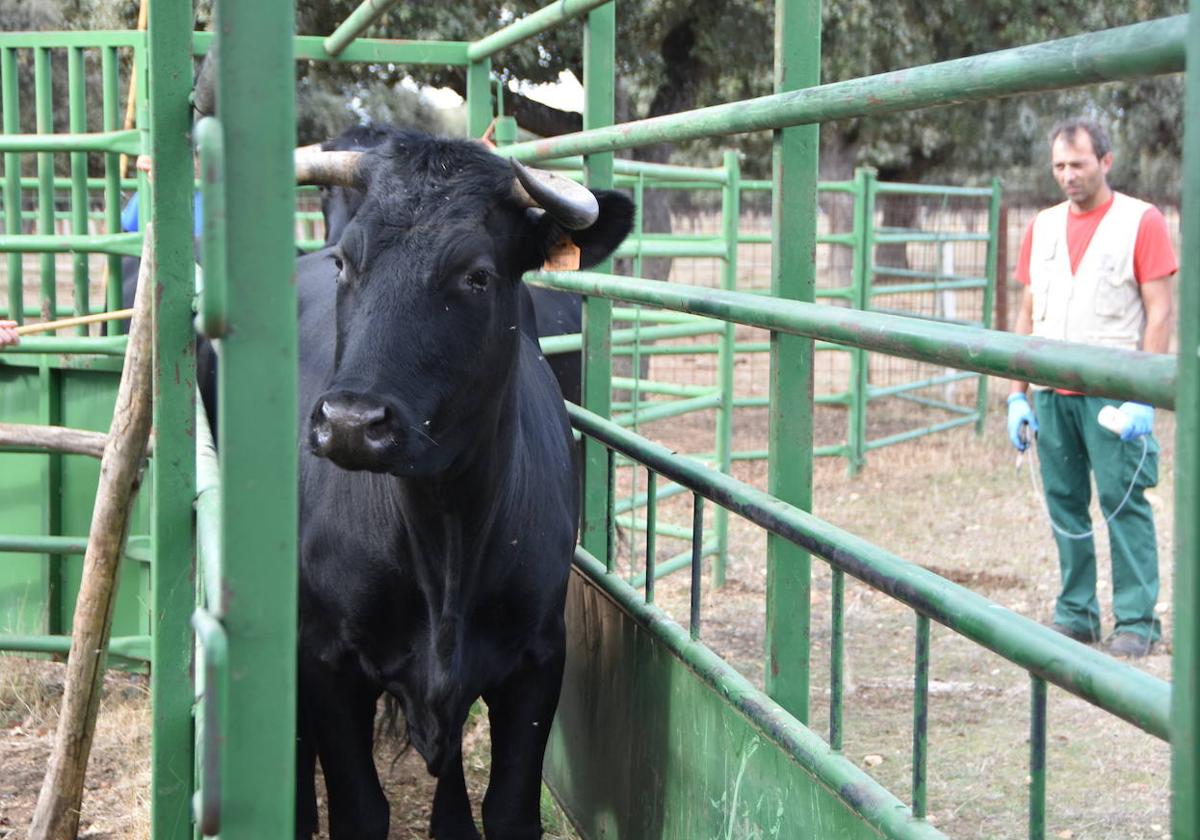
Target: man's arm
x,y
1023,326
1156,300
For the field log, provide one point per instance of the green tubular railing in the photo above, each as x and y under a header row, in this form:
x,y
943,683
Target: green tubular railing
x,y
1121,374
1126,692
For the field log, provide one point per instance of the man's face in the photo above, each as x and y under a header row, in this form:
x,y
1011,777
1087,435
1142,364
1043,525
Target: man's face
x,y
1082,176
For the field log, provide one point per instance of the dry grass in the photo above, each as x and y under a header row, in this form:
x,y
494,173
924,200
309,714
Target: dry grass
x,y
116,802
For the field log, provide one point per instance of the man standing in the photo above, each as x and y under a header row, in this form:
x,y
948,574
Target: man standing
x,y
1096,271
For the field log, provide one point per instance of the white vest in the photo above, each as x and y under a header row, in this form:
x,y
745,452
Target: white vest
x,y
1101,304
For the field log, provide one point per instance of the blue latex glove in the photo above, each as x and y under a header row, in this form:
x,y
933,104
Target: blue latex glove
x,y
1020,414
1141,420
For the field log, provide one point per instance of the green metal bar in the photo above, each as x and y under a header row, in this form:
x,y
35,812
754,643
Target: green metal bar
x,y
132,648
610,520
1122,374
1037,758
112,179
837,657
1185,658
124,244
667,409
532,24
50,414
571,342
900,188
694,177
682,560
211,720
215,296
651,387
920,717
651,532
599,59
479,97
93,184
75,546
1124,691
44,115
878,290
901,437
859,791
793,278
77,106
895,271
358,22
166,217
258,434
880,391
12,181
887,236
710,247
677,532
120,142
726,344
89,38
365,50
941,405
643,499
697,568
111,346
208,517
860,287
989,291
1128,52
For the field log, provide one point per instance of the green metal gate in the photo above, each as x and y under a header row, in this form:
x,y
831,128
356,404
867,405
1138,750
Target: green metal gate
x,y
640,691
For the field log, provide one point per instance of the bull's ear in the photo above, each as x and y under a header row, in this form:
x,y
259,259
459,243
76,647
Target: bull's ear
x,y
597,242
594,243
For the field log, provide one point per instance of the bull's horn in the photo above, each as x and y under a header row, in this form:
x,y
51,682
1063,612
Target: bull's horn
x,y
570,204
327,169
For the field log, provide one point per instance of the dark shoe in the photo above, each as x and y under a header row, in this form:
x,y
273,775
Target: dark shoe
x,y
1070,633
1129,645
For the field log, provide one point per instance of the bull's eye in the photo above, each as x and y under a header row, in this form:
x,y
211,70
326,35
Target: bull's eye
x,y
338,262
477,281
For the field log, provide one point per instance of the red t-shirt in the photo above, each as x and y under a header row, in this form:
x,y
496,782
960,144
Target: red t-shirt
x,y
1153,256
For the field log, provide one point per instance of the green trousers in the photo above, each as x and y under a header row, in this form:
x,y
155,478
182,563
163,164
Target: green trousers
x,y
1070,443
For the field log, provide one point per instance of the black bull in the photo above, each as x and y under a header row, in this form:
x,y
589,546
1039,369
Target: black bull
x,y
438,504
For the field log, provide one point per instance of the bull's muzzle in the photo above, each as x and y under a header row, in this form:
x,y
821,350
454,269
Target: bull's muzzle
x,y
353,431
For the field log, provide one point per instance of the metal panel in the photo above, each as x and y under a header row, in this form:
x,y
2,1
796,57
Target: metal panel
x,y
652,747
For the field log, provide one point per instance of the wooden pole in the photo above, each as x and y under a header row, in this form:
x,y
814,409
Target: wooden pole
x,y
56,816
79,320
53,439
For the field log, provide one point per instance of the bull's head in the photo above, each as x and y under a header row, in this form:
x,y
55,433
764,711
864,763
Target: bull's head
x,y
429,298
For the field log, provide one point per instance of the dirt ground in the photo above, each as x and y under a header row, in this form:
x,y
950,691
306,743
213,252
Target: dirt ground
x,y
953,503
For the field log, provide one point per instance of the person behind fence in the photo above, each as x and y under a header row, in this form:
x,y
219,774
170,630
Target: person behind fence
x,y
1096,270
8,333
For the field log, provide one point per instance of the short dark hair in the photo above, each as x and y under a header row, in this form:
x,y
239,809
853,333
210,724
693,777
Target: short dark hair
x,y
1069,128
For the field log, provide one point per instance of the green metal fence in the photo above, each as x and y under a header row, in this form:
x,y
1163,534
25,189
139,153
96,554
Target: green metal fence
x,y
622,758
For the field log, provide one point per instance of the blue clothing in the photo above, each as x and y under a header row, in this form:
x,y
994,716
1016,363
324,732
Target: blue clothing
x,y
130,223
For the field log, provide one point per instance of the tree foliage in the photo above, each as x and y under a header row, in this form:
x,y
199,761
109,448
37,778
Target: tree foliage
x,y
673,55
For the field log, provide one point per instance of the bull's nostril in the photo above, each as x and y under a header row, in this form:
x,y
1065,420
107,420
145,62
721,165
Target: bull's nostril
x,y
375,416
326,410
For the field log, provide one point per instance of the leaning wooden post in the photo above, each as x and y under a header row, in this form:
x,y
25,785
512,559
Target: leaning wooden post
x,y
57,814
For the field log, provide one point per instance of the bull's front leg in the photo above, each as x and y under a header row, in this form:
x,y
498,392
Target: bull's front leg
x,y
520,711
340,705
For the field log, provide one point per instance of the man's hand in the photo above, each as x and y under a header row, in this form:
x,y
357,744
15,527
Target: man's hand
x,y
1020,416
1140,419
8,333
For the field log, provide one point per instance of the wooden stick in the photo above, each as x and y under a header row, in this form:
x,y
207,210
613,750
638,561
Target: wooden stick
x,y
79,320
56,816
53,439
